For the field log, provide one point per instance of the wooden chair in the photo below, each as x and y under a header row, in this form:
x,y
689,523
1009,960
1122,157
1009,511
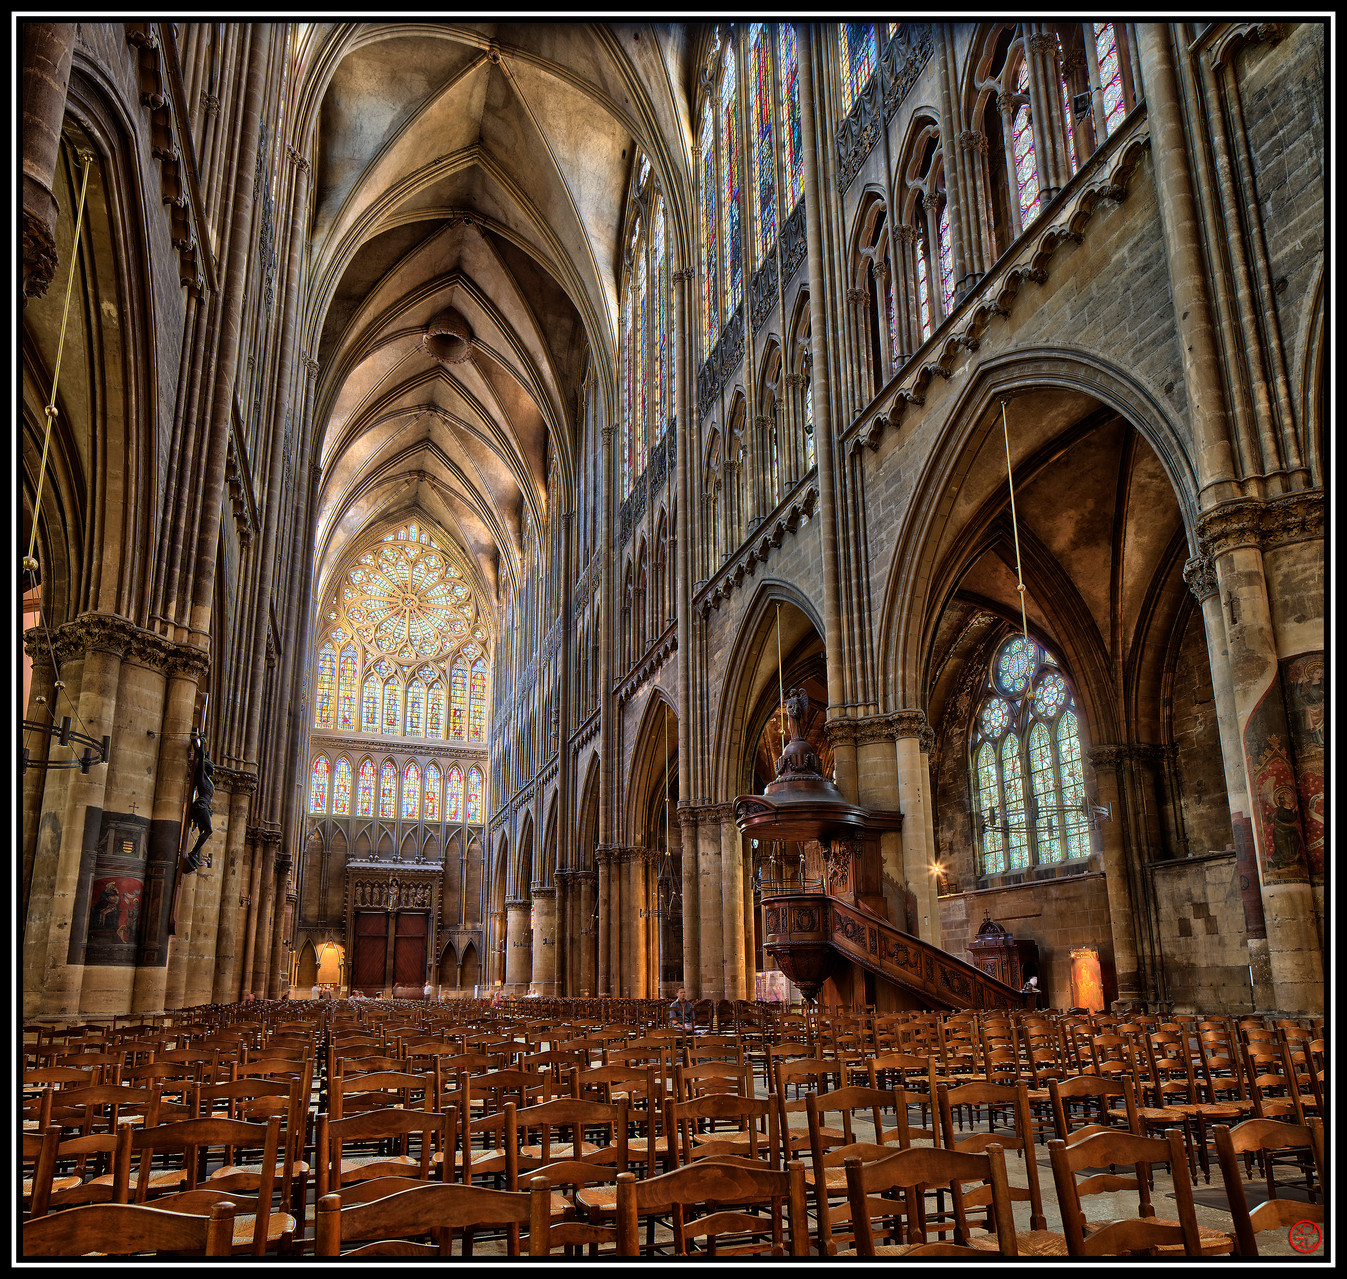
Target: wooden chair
x,y
1144,1233
1264,1136
826,1175
873,1191
696,1131
915,1076
46,1190
120,1230
728,1190
1038,1240
379,1142
1092,1093
814,1074
397,1221
548,1231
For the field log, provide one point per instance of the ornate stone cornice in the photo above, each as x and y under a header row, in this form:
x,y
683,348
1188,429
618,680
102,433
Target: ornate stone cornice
x,y
1200,574
867,729
149,649
1249,522
238,781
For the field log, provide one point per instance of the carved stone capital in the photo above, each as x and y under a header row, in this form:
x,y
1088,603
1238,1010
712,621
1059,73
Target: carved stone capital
x,y
931,200
1200,574
858,297
518,903
36,646
1006,103
106,632
541,892
149,649
907,233
297,159
587,877
840,732
1249,522
682,275
973,140
607,433
311,367
1042,44
913,723
210,103
188,662
1073,61
238,781
39,254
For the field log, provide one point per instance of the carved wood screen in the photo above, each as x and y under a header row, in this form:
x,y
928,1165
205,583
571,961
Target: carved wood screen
x,y
371,951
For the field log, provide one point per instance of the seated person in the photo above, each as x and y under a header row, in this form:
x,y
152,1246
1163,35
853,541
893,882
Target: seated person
x,y
681,1011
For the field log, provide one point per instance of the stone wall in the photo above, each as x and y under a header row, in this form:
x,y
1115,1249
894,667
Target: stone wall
x,y
1201,776
1059,916
1205,961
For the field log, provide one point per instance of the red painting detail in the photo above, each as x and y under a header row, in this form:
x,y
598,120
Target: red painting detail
x,y
116,906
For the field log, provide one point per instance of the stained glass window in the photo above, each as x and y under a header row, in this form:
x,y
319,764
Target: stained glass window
x,y
710,260
808,424
788,62
474,795
730,184
628,425
416,703
369,705
1110,75
642,371
432,781
858,59
346,689
341,789
1025,760
411,792
364,802
435,710
327,678
661,418
398,599
388,784
458,700
923,292
318,785
477,705
392,706
946,259
764,153
1070,130
988,811
1022,148
453,799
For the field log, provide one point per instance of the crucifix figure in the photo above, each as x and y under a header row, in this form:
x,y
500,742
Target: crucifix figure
x,y
199,813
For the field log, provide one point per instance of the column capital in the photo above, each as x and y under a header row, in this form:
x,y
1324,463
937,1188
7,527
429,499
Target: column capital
x,y
973,140
907,233
297,159
540,892
857,297
1043,43
1251,522
238,781
682,275
1200,574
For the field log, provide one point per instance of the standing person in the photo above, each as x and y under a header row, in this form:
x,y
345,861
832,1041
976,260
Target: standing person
x,y
681,1011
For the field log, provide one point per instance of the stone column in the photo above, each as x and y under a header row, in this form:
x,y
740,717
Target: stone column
x,y
844,761
518,962
955,192
280,933
1115,857
905,291
913,741
877,787
234,883
251,902
41,707
973,145
1200,574
47,48
588,976
268,849
1006,104
732,902
711,896
604,884
692,973
543,978
1045,99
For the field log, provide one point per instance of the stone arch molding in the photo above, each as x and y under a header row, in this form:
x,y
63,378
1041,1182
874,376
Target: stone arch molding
x,y
737,692
909,592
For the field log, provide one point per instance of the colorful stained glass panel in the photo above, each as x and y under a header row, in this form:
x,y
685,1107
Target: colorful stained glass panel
x,y
474,795
788,63
435,710
1013,784
946,260
432,806
326,687
365,794
710,259
318,779
1110,75
988,799
369,705
764,153
477,705
346,689
392,706
388,784
411,792
995,718
730,184
453,799
416,702
341,789
1077,833
1043,784
1016,664
458,701
859,56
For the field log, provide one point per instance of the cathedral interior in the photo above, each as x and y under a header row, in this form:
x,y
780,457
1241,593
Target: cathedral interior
x,y
457,557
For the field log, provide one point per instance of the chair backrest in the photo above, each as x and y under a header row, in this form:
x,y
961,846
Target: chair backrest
x,y
1265,1136
1098,1089
755,1117
873,1190
124,1229
720,1185
1132,1233
379,1126
112,1148
560,1126
438,1209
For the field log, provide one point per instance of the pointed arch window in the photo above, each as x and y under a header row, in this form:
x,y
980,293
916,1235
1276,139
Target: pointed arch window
x,y
432,784
764,153
453,796
628,418
1022,148
411,792
923,291
326,688
364,803
788,61
388,785
318,780
661,326
730,184
346,689
1110,75
1025,764
435,710
416,702
946,258
392,707
477,703
642,352
341,789
710,244
369,704
859,55
474,795
458,700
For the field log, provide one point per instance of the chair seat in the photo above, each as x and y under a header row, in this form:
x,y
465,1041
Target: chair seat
x,y
297,1169
279,1224
58,1183
1214,1242
1210,1110
833,1178
600,1199
560,1150
351,1162
158,1180
1154,1114
1031,1243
